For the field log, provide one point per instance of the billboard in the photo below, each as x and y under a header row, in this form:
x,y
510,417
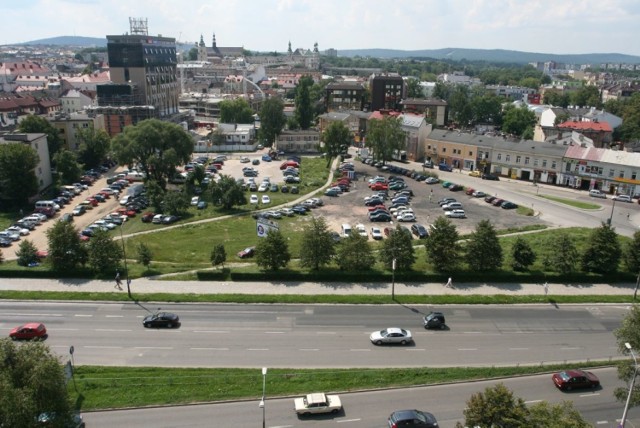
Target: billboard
x,y
263,226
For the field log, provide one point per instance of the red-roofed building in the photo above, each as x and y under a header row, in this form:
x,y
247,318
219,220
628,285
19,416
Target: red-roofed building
x,y
600,132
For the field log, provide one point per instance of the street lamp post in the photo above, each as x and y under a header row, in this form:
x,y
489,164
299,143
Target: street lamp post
x,y
393,279
261,405
611,215
126,268
631,385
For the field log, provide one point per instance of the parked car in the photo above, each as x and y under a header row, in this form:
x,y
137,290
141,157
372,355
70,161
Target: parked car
x,y
266,199
419,230
475,173
434,320
12,236
195,200
381,216
19,230
575,379
244,159
266,158
391,335
478,194
317,403
412,418
595,193
147,217
490,177
622,198
455,188
431,180
170,219
376,233
446,201
452,206
247,252
161,319
445,167
489,199
497,202
253,199
299,209
406,216
508,205
294,190
29,331
455,214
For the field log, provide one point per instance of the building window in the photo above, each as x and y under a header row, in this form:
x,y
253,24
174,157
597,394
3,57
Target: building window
x,y
611,172
517,159
633,175
535,162
544,163
507,158
526,161
553,164
499,156
444,150
470,153
621,175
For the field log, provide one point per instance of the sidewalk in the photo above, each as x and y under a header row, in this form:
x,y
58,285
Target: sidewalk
x,y
146,285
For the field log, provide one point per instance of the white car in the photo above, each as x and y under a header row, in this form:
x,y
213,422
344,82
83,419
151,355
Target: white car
x,y
287,212
431,180
401,211
391,335
452,206
244,159
157,219
104,224
195,200
19,230
406,216
622,198
455,214
253,199
263,187
11,236
317,403
362,231
376,233
266,199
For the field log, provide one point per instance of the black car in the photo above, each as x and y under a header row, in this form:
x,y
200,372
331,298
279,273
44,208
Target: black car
x,y
434,320
420,231
161,319
170,219
490,177
5,242
294,189
284,188
412,418
380,217
299,209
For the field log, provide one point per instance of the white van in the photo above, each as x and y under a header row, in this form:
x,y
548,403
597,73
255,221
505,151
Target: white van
x,y
135,176
47,204
346,230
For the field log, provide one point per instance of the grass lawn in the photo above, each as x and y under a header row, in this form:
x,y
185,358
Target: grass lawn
x,y
116,387
573,203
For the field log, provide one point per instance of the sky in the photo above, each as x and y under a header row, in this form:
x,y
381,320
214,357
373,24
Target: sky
x,y
547,26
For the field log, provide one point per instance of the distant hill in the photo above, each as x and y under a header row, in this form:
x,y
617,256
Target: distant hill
x,y
69,41
493,55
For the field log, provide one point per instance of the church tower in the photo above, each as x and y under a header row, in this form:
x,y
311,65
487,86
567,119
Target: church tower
x,y
202,50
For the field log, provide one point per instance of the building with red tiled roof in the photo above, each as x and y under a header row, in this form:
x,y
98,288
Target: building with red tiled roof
x,y
600,132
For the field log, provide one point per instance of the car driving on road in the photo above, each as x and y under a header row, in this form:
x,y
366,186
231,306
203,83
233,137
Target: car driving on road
x,y
391,335
161,319
575,379
317,403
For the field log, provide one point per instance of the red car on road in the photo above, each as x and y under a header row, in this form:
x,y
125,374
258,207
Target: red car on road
x,y
575,379
379,186
32,330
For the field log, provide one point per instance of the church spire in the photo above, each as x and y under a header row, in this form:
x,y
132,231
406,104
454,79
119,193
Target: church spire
x,y
201,41
214,40
289,50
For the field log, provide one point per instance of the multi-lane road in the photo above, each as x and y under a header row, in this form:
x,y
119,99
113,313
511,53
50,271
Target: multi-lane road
x,y
307,336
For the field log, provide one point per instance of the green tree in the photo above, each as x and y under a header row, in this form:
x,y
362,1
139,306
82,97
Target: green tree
x,y
272,120
32,382
442,91
192,55
496,407
218,255
354,254
94,146
563,415
413,88
304,111
530,82
157,147
336,138
399,247
67,166
522,255
18,180
27,253
556,98
155,194
628,332
631,254
104,253
318,246
443,249
587,96
175,203
66,251
603,251
517,120
37,124
145,255
561,253
459,105
272,251
235,111
486,109
196,177
385,136
483,250
227,192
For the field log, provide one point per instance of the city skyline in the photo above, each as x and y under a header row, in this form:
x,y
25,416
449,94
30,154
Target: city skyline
x,y
568,27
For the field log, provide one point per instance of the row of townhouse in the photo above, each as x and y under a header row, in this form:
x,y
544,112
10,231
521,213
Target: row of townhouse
x,y
569,161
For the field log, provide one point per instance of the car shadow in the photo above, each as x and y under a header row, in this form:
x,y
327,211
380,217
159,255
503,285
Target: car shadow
x,y
324,416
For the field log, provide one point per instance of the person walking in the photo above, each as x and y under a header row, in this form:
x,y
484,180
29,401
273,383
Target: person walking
x,y
449,283
118,281
546,288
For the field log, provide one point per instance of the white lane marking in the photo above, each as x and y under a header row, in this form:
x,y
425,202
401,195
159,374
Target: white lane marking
x,y
593,394
210,331
518,349
17,314
360,350
110,329
258,349
467,349
102,347
602,422
153,347
114,316
331,332
472,332
82,316
348,420
280,426
274,332
209,349
309,349
415,349
570,348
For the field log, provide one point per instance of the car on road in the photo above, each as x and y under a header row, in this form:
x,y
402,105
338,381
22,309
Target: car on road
x,y
247,252
431,180
317,403
475,173
434,320
412,418
28,331
478,194
595,193
457,213
244,159
161,319
507,205
376,233
455,188
622,198
575,379
22,231
490,177
391,335
266,199
420,231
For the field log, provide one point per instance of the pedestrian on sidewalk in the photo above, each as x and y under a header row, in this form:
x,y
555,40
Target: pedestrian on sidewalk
x,y
449,283
546,288
118,281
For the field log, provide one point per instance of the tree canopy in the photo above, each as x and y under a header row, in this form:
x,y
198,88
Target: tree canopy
x,y
94,146
483,250
37,124
272,251
304,110
628,332
236,111
67,165
399,247
18,180
66,251
336,138
603,251
443,249
227,193
317,247
518,120
385,136
354,254
272,120
156,147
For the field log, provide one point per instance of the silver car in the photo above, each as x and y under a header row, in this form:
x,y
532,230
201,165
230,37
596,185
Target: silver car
x,y
391,335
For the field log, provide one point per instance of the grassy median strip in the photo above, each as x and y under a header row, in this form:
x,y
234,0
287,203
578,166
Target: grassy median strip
x,y
572,202
119,387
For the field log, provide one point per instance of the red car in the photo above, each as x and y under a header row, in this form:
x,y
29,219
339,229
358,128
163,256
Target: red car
x,y
379,186
32,330
575,379
92,201
126,211
247,252
147,217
